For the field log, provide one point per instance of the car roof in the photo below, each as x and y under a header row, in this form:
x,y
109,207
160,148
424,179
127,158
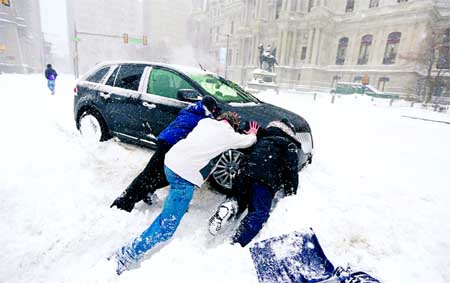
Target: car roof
x,y
187,70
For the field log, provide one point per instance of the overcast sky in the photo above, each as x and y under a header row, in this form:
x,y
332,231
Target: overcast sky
x,y
54,24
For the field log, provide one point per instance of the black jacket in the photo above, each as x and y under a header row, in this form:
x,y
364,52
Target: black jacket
x,y
50,71
273,161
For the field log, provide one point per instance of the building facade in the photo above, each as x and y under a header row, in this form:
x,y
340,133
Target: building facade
x,y
132,30
321,42
21,39
97,32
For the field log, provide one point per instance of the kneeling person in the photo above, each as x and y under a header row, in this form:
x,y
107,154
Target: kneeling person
x,y
272,165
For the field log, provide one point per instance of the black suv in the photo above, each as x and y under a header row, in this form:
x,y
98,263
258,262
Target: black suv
x,y
135,101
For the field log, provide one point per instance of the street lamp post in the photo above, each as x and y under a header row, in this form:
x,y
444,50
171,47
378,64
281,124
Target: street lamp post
x,y
226,54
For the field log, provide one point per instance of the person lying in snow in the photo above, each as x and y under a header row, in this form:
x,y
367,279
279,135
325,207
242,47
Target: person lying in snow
x,y
152,177
183,163
272,165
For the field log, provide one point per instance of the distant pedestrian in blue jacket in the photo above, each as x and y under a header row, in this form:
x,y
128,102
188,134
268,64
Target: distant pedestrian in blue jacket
x,y
153,177
50,75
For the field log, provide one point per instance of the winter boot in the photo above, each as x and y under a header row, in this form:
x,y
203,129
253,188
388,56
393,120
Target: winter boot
x,y
150,198
227,210
124,203
125,258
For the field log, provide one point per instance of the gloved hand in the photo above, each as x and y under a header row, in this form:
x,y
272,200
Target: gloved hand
x,y
254,127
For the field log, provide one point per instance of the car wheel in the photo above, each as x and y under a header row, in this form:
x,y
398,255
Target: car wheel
x,y
92,126
227,168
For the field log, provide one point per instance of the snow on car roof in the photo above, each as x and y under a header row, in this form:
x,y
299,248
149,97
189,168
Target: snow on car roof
x,y
184,69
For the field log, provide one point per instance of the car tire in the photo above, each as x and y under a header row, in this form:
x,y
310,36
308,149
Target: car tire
x,y
92,126
226,169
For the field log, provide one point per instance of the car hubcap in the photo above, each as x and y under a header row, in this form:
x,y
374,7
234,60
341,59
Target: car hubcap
x,y
90,128
227,168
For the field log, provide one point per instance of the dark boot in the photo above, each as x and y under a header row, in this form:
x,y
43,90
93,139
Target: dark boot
x,y
123,202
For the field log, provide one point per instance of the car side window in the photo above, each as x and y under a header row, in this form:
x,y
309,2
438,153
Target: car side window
x,y
112,78
166,83
129,76
98,76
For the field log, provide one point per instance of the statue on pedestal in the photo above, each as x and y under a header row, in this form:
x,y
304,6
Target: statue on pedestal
x,y
264,78
267,59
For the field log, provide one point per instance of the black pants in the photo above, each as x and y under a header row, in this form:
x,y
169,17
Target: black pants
x,y
151,178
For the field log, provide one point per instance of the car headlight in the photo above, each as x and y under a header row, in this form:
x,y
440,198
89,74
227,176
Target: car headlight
x,y
306,139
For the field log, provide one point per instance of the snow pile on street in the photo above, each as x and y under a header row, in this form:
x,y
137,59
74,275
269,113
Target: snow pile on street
x,y
376,195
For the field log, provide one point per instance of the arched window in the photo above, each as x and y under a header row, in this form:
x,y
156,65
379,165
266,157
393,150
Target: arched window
x,y
390,53
444,52
278,8
374,3
293,5
310,5
364,50
342,50
350,6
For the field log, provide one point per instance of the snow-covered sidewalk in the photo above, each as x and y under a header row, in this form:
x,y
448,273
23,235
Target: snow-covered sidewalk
x,y
376,195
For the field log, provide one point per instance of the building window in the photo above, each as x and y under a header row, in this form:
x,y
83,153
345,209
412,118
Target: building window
x,y
444,52
350,6
303,55
374,3
232,27
390,53
402,1
366,42
342,50
293,5
382,83
310,5
278,8
217,33
357,79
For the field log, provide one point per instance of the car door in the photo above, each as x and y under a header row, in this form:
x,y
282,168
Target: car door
x,y
120,98
159,104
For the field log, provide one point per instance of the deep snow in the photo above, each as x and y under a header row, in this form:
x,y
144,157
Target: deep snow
x,y
376,195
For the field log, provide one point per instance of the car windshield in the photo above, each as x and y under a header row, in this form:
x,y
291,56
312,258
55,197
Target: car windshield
x,y
223,90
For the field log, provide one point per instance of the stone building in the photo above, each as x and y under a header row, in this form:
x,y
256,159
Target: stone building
x,y
21,40
321,42
97,28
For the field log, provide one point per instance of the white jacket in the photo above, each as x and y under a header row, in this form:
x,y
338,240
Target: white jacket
x,y
206,141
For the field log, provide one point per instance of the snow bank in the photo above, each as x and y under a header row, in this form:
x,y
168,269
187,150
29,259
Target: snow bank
x,y
376,195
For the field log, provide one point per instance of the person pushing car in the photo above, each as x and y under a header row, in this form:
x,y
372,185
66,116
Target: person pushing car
x,y
182,165
152,177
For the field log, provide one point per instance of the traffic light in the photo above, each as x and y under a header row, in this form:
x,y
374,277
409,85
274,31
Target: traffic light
x,y
144,40
125,38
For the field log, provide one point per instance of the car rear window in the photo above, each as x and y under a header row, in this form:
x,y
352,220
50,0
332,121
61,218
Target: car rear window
x,y
98,76
129,76
112,78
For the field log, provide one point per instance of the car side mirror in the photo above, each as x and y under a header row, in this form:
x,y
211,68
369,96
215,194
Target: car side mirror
x,y
189,95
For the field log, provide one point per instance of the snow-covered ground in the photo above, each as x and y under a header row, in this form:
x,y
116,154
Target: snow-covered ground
x,y
377,195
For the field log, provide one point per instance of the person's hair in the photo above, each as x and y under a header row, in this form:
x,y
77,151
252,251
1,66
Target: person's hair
x,y
210,103
49,65
232,118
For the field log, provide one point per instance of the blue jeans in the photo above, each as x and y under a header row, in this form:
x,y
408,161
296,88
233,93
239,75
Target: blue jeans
x,y
51,85
165,225
259,206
